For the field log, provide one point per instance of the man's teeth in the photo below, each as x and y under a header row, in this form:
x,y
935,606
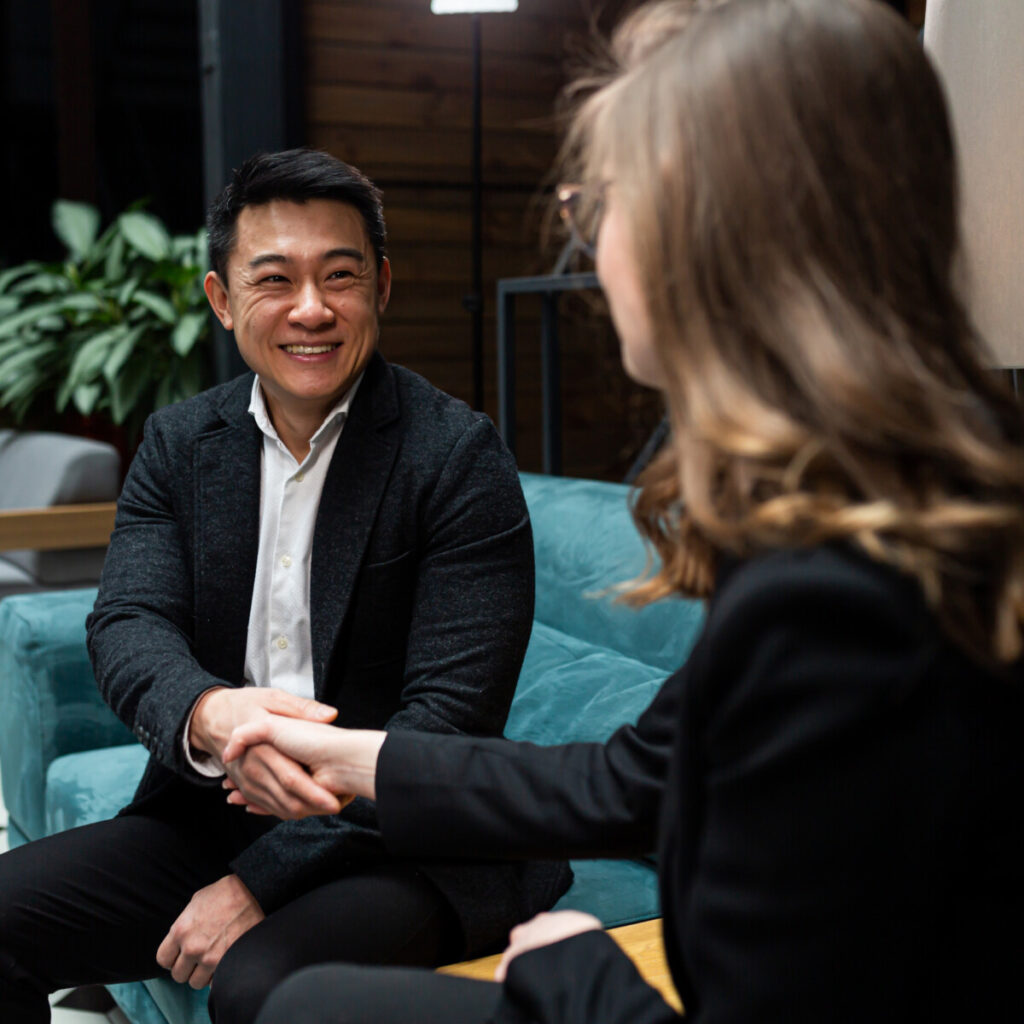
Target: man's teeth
x,y
308,350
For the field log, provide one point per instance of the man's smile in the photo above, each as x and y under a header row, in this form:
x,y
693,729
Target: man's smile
x,y
311,350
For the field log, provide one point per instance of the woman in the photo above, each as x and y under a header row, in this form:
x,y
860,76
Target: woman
x,y
834,780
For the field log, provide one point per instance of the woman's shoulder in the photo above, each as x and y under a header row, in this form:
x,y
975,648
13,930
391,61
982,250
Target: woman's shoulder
x,y
833,613
830,580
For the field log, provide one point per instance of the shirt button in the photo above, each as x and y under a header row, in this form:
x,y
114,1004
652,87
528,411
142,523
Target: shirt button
x,y
286,560
282,642
300,476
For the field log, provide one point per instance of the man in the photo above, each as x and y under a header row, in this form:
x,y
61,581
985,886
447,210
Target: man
x,y
330,537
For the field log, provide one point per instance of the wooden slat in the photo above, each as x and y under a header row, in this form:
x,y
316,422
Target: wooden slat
x,y
502,226
432,70
58,527
642,942
408,108
442,154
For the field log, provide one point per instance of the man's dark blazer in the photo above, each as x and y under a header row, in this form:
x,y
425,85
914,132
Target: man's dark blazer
x,y
837,798
421,601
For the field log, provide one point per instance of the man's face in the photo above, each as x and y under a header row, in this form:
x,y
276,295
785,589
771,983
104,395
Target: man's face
x,y
303,297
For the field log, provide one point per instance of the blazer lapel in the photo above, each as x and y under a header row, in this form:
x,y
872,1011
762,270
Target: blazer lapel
x,y
227,527
352,495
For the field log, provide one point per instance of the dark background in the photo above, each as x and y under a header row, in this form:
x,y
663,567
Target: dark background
x,y
102,102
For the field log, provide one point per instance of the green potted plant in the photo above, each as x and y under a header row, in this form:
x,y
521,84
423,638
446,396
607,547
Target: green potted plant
x,y
113,331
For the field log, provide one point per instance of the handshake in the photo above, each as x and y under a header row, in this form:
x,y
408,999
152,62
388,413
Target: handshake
x,y
280,754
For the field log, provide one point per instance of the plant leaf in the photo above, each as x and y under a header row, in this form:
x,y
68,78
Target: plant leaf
x,y
85,397
13,367
46,282
76,225
8,304
13,273
187,331
85,302
124,296
26,317
157,305
24,385
113,268
127,390
202,249
9,346
121,351
145,234
91,356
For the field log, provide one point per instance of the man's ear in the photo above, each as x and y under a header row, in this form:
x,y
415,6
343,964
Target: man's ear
x,y
217,293
383,285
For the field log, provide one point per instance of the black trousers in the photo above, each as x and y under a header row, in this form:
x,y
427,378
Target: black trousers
x,y
345,994
91,906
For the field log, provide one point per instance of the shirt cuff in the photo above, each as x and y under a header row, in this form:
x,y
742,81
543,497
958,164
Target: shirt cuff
x,y
199,761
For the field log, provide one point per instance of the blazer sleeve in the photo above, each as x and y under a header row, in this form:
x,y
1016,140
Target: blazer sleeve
x,y
144,612
586,979
462,796
470,624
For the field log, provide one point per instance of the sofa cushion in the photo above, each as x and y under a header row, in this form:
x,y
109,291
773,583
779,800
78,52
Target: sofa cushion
x,y
577,690
614,891
574,690
585,543
91,786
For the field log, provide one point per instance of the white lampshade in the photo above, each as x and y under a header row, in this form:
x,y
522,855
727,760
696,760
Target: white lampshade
x,y
472,6
978,48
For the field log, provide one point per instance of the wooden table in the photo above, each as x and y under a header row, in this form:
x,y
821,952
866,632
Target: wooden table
x,y
642,942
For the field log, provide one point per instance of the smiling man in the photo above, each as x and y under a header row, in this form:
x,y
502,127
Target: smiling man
x,y
326,537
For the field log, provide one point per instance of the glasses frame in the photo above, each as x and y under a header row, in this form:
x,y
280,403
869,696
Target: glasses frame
x,y
571,196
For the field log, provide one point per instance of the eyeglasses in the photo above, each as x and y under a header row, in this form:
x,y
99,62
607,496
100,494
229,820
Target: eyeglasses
x,y
581,207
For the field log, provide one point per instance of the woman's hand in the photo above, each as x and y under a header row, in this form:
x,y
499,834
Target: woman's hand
x,y
341,765
543,930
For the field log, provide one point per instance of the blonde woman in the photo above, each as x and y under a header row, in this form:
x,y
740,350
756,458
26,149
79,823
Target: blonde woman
x,y
835,780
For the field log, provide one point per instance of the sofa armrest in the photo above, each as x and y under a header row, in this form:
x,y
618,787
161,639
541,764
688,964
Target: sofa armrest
x,y
49,703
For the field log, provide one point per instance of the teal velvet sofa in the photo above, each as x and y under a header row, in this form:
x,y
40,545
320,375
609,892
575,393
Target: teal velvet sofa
x,y
591,665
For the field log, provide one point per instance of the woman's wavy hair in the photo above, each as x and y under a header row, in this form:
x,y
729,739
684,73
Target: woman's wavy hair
x,y
788,173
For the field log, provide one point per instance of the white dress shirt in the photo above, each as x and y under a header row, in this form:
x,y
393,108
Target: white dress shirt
x,y
279,648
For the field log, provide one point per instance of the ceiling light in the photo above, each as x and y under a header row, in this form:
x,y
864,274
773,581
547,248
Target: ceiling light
x,y
472,6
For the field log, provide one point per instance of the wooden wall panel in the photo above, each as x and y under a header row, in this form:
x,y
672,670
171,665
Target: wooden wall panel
x,y
389,90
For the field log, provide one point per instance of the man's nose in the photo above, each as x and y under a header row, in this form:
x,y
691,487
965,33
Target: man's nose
x,y
309,309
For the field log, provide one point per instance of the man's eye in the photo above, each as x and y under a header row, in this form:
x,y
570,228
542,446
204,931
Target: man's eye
x,y
273,279
341,275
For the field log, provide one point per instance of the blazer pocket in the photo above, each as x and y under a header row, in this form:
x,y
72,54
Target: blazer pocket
x,y
381,612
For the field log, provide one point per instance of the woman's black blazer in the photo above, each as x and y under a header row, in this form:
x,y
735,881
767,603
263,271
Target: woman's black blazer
x,y
835,792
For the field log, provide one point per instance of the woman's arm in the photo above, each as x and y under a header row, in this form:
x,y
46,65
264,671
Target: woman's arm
x,y
447,795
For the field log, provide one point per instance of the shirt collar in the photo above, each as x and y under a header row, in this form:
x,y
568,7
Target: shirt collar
x,y
261,414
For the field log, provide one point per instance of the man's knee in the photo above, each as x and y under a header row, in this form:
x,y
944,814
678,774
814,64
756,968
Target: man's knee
x,y
245,976
309,996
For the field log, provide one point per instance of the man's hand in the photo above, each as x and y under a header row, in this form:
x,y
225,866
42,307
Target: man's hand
x,y
206,929
268,778
543,930
220,711
341,763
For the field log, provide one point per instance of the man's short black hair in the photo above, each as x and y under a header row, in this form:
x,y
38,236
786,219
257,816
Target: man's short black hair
x,y
295,175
